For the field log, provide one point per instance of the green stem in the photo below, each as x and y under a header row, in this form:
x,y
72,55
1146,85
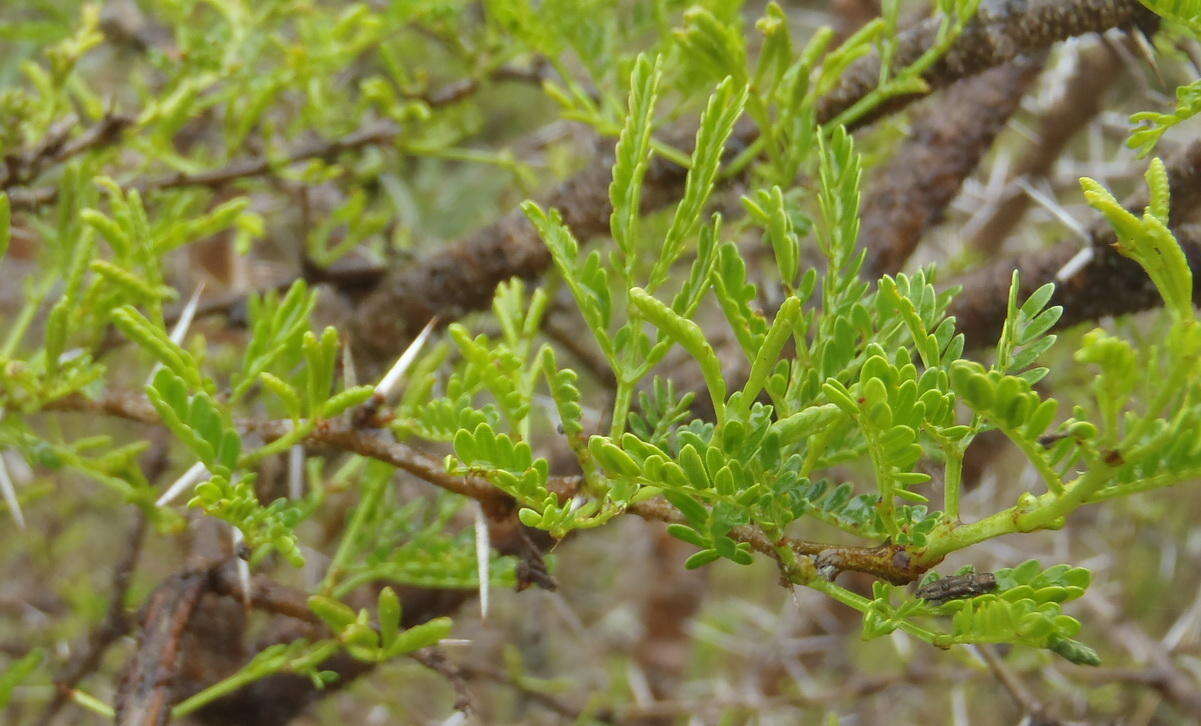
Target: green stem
x,y
621,408
1042,512
862,604
374,487
1144,485
743,159
32,304
886,485
1035,454
672,154
300,430
952,481
242,678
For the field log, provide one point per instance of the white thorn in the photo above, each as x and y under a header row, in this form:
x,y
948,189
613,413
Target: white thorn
x,y
243,566
185,480
483,561
350,377
1054,208
391,380
296,472
10,494
1074,265
180,331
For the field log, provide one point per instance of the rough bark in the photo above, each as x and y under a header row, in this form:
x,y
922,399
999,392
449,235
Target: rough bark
x,y
945,143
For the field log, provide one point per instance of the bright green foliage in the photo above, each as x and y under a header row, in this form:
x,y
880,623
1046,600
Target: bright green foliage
x,y
277,331
299,657
851,405
915,301
563,389
877,375
510,465
1185,12
633,155
265,529
1150,126
660,411
1026,609
1148,241
196,421
363,642
1024,336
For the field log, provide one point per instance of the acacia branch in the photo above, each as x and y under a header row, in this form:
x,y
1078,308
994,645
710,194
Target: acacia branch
x,y
56,147
24,168
461,277
889,561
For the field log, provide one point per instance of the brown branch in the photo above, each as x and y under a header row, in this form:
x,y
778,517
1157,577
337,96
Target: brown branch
x,y
436,661
461,89
265,594
56,147
1097,67
1001,31
458,278
944,145
1109,284
371,134
144,695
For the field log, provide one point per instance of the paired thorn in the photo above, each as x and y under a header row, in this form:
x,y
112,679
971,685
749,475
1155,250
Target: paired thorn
x,y
1143,45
